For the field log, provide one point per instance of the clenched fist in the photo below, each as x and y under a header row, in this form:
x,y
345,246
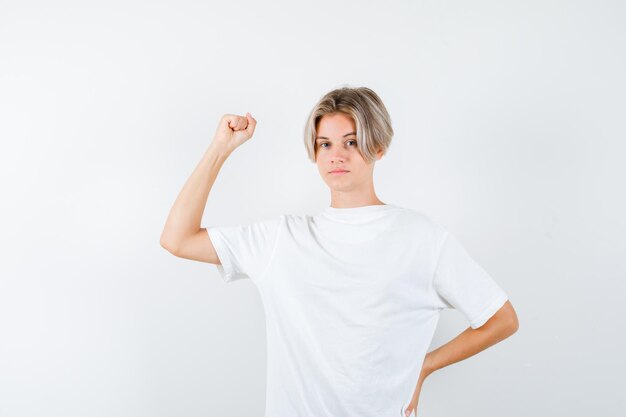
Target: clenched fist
x,y
233,130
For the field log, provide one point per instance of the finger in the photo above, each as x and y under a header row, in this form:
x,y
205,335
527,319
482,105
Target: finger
x,y
241,123
228,121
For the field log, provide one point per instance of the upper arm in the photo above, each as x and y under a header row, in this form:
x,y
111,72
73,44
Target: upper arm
x,y
238,251
198,247
461,283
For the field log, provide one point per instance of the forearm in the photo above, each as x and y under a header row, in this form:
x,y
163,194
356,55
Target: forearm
x,y
186,213
468,343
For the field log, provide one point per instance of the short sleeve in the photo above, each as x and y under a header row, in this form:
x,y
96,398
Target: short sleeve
x,y
460,283
244,250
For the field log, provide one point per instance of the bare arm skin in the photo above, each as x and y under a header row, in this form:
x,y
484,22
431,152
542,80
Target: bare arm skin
x,y
470,342
182,235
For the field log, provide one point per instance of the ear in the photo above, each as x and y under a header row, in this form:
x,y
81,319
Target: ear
x,y
379,153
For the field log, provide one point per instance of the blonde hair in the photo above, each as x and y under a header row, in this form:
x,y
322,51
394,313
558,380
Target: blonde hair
x,y
373,124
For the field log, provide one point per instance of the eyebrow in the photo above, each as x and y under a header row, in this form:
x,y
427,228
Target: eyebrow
x,y
324,137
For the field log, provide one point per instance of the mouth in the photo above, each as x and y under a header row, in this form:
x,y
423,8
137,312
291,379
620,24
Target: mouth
x,y
340,172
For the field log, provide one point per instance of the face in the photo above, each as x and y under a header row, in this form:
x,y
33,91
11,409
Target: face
x,y
336,149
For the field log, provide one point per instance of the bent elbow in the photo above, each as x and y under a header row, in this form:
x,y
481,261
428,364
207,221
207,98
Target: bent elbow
x,y
168,246
513,325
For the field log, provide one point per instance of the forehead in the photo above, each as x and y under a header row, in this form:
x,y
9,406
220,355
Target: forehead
x,y
335,125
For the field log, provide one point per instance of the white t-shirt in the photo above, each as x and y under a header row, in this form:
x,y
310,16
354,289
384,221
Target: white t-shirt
x,y
352,298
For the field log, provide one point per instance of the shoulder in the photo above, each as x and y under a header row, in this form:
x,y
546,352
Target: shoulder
x,y
295,220
282,220
421,220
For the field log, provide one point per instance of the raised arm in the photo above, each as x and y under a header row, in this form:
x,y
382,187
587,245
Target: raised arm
x,y
182,235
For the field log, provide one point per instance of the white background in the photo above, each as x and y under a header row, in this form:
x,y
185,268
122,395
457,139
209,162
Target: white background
x,y
509,130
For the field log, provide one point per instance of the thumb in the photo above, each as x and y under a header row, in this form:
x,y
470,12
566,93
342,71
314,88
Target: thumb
x,y
251,123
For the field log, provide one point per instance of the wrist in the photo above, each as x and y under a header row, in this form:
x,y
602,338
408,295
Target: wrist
x,y
220,151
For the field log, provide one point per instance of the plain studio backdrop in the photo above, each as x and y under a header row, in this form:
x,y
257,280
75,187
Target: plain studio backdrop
x,y
509,130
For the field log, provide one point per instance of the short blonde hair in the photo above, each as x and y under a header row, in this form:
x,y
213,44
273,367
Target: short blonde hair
x,y
373,124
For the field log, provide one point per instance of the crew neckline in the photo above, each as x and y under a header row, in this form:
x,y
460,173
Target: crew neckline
x,y
356,214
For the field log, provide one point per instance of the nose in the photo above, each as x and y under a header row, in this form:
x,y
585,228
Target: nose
x,y
338,155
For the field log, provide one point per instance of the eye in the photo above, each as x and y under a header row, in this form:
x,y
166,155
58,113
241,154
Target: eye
x,y
321,145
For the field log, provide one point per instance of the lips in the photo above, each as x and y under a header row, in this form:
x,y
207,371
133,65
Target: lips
x,y
338,171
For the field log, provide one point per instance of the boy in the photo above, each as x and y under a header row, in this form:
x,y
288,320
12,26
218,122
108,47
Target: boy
x,y
351,295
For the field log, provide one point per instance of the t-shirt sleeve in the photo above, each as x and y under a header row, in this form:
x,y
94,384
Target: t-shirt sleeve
x,y
460,283
245,251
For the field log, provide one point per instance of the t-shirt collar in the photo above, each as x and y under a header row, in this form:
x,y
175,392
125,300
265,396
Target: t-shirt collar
x,y
356,214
